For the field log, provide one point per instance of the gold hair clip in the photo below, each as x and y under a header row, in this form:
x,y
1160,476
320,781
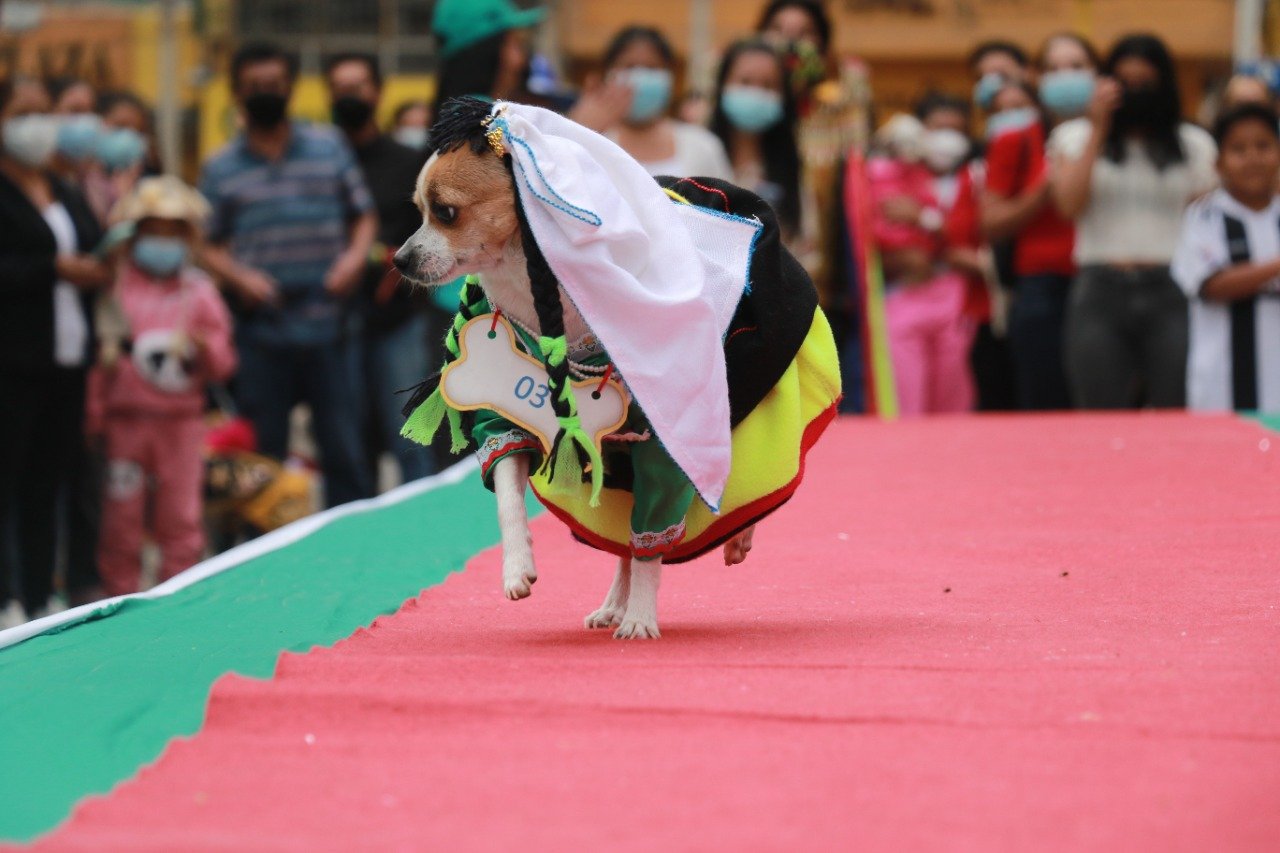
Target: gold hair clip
x,y
495,135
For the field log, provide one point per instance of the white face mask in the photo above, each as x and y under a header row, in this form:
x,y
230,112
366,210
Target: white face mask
x,y
31,139
945,149
413,137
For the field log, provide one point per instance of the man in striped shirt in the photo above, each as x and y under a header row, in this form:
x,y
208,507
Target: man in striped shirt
x,y
291,231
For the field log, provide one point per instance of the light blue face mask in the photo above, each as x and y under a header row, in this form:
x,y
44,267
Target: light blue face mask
x,y
78,136
160,256
1011,120
750,108
120,149
650,92
986,89
1066,94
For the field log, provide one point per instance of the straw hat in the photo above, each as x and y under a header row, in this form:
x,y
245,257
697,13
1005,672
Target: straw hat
x,y
162,197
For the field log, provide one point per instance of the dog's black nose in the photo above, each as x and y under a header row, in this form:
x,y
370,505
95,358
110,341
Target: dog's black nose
x,y
404,260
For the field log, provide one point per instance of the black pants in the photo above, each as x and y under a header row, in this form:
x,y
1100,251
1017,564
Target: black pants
x,y
41,433
1126,340
1036,323
992,368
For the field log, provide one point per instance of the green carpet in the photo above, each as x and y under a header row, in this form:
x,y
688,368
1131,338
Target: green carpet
x,y
1269,421
84,708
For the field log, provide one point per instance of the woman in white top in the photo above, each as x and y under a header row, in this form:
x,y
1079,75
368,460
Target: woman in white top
x,y
632,106
1124,173
45,343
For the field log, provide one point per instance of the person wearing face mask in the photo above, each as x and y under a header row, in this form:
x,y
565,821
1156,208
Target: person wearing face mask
x,y
948,151
754,118
169,337
1017,206
993,64
929,332
631,107
832,102
395,324
1124,172
121,151
290,236
47,279
409,124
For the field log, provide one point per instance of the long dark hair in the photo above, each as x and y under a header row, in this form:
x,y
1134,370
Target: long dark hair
x,y
473,70
813,8
1158,125
630,35
777,143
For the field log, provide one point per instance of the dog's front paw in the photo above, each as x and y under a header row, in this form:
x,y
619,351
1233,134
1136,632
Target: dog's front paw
x,y
605,617
633,628
518,579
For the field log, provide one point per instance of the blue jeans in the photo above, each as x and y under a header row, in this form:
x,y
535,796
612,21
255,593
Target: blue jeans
x,y
1036,323
396,359
325,376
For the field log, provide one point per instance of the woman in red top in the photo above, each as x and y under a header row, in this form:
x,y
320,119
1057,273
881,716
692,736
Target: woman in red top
x,y
1017,206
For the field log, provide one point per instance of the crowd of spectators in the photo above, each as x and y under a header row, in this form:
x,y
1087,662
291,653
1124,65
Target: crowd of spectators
x,y
1061,239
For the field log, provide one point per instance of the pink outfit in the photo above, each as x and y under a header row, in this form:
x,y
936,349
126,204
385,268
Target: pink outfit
x,y
929,341
929,332
149,406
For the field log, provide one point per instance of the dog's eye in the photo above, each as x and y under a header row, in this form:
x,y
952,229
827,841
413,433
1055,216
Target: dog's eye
x,y
443,213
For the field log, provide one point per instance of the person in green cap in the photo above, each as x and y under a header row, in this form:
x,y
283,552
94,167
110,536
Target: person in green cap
x,y
485,49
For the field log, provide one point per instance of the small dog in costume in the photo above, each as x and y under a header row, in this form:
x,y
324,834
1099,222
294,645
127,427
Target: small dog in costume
x,y
644,354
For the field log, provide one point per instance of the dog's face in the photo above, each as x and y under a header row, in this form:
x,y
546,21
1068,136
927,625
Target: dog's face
x,y
468,217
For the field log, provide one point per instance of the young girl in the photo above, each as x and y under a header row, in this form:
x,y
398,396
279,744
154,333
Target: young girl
x,y
165,334
929,332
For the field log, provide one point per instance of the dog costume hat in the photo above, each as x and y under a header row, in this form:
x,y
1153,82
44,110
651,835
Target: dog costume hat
x,y
690,298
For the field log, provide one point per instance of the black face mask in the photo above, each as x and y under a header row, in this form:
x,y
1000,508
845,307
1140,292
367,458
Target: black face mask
x,y
351,113
265,110
1140,108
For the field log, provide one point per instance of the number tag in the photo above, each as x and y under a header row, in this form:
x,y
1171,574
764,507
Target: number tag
x,y
492,373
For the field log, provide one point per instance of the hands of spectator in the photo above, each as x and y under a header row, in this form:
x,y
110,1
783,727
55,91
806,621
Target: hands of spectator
x,y
256,288
84,272
345,274
603,104
902,209
1104,103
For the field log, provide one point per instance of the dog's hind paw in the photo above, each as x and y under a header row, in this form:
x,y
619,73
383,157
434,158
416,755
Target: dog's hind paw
x,y
637,629
605,617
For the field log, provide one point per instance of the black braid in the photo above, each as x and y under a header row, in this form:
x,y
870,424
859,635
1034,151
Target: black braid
x,y
546,301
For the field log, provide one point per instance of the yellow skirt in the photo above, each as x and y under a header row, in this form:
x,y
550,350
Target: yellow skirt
x,y
769,448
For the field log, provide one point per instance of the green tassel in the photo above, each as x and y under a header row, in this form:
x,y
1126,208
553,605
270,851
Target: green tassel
x,y
424,423
554,350
567,456
457,437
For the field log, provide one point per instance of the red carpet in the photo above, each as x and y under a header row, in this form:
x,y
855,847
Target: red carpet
x,y
1055,633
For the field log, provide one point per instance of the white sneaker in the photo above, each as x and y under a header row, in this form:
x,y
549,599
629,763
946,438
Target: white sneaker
x,y
12,615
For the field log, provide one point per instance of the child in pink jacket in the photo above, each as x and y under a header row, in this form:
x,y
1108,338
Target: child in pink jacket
x,y
928,330
165,334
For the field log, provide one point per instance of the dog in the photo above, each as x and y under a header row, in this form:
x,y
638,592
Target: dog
x,y
470,226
